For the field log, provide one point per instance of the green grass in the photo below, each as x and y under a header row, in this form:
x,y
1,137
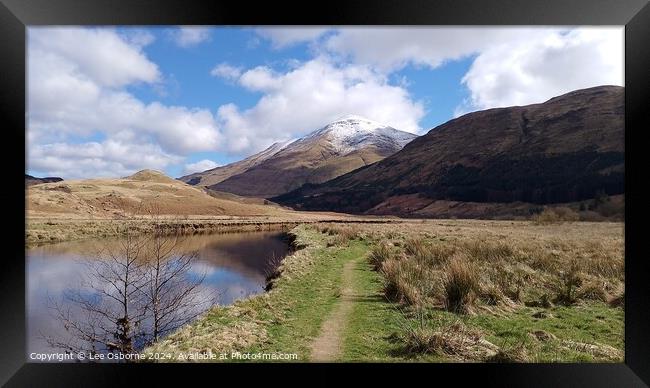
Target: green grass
x,y
374,327
308,301
371,332
373,319
288,318
592,323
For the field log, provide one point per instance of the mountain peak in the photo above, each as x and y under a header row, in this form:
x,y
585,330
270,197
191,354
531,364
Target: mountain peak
x,y
352,132
354,121
339,147
351,117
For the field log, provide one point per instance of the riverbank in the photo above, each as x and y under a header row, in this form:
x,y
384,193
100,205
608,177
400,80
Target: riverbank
x,y
330,303
48,230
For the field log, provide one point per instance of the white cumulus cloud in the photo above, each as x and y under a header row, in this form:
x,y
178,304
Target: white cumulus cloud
x,y
226,71
77,91
200,166
189,36
309,96
90,53
519,73
392,48
510,65
109,158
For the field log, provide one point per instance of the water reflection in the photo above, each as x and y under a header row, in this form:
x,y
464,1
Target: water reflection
x,y
233,265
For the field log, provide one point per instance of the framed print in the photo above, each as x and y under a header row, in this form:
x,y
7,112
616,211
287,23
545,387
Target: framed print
x,y
403,187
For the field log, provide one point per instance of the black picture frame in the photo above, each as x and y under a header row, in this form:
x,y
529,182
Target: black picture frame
x,y
16,15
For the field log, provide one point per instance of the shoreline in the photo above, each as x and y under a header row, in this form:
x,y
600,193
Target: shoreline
x,y
51,230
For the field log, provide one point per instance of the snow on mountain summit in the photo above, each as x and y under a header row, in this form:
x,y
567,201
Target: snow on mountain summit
x,y
352,132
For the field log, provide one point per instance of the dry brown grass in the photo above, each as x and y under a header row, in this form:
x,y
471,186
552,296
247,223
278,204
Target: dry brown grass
x,y
111,198
406,282
569,279
556,215
379,254
594,289
340,234
460,264
461,285
428,254
600,351
516,353
497,268
456,341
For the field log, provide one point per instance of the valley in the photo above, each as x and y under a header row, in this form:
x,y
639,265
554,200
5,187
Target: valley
x,y
495,237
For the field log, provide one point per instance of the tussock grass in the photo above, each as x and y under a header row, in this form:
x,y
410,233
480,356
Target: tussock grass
x,y
488,274
487,251
515,353
407,282
457,274
461,285
618,301
340,235
594,289
454,340
555,215
568,282
379,254
491,295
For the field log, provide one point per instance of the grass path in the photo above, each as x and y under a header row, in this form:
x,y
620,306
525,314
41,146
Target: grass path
x,y
328,345
360,325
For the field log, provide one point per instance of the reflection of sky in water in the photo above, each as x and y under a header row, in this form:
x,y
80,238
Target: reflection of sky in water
x,y
233,265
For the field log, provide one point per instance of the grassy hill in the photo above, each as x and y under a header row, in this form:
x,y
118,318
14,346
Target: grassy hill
x,y
564,150
121,197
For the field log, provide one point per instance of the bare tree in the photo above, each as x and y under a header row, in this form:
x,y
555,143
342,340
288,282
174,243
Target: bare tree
x,y
135,292
108,306
173,296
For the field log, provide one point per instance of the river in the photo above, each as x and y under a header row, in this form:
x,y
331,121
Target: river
x,y
224,267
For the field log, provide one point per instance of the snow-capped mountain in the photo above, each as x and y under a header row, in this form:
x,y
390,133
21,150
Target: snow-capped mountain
x,y
352,132
333,150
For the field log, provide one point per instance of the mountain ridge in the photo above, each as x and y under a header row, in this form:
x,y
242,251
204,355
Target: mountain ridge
x,y
337,148
220,173
561,150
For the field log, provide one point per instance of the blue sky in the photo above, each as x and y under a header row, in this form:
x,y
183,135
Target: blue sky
x,y
112,101
190,82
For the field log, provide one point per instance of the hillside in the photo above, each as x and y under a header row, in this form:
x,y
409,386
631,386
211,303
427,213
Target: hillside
x,y
31,180
221,173
563,150
340,147
115,198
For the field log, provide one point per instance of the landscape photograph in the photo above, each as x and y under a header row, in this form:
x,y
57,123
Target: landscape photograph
x,y
355,194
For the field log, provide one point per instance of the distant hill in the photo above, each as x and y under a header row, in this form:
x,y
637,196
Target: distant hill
x,y
30,180
337,148
108,198
221,173
563,150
